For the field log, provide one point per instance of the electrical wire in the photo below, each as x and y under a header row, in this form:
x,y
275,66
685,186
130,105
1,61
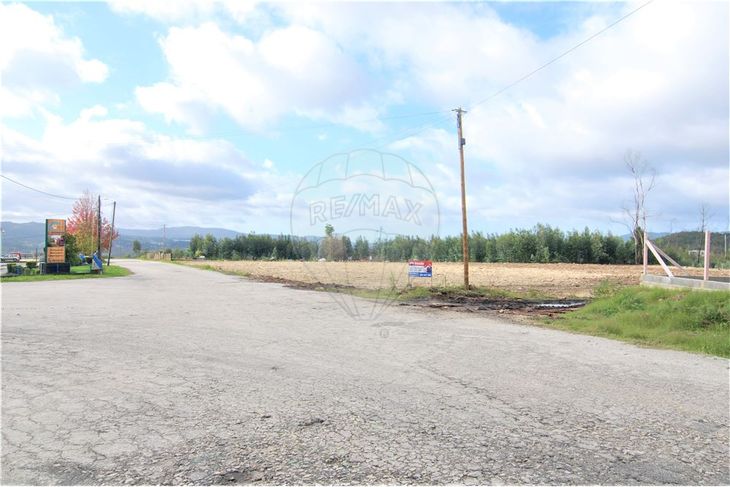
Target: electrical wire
x,y
37,190
562,55
104,198
528,75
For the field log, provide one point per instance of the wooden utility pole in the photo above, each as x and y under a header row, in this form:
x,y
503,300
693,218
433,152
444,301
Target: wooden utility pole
x,y
111,235
464,234
98,228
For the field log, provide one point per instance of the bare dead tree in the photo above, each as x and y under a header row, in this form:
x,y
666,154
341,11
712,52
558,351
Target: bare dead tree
x,y
705,217
644,177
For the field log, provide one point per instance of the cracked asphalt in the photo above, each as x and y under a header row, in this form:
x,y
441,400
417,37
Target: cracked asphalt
x,y
178,375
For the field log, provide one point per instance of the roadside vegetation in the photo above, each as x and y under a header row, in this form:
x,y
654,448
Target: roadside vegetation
x,y
541,244
77,272
694,321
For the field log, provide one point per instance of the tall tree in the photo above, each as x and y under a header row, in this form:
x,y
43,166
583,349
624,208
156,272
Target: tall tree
x,y
83,225
643,176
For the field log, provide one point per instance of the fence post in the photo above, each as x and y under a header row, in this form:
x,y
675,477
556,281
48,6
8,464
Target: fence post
x,y
707,255
645,254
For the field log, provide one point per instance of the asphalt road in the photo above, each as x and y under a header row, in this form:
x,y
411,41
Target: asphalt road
x,y
178,375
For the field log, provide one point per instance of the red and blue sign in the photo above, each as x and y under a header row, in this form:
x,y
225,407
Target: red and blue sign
x,y
420,268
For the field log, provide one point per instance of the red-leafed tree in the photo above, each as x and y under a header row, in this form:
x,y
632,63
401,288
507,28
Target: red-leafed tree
x,y
83,225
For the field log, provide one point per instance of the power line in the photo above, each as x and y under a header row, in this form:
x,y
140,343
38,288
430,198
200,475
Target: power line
x,y
104,198
562,55
528,75
38,190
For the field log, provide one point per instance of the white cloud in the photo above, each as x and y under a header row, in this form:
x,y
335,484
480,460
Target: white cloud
x,y
549,149
38,60
186,10
657,83
291,70
155,177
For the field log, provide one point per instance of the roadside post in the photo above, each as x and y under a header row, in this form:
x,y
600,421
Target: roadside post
x,y
706,273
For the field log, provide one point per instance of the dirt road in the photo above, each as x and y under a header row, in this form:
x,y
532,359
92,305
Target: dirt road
x,y
176,375
553,280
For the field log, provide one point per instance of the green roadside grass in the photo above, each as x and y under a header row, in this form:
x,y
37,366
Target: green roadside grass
x,y
692,321
77,272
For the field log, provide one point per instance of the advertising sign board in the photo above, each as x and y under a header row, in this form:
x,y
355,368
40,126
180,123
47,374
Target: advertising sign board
x,y
420,268
55,241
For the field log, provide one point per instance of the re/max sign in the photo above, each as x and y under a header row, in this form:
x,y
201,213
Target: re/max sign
x,y
362,204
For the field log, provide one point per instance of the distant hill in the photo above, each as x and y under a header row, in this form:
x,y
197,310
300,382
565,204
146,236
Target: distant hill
x,y
652,235
693,241
22,237
27,237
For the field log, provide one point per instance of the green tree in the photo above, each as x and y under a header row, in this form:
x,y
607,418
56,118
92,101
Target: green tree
x,y
362,248
196,245
136,247
210,247
71,249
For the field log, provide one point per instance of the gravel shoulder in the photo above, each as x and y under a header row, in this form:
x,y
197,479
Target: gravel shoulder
x,y
176,375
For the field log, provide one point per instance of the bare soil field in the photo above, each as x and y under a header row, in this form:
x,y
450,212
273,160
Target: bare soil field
x,y
552,280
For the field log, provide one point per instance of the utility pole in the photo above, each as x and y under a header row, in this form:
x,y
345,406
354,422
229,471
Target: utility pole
x,y
111,235
98,228
465,234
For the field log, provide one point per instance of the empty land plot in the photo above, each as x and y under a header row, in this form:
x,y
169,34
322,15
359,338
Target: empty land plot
x,y
554,280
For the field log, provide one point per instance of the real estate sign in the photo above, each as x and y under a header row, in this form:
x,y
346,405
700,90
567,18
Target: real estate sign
x,y
55,241
420,268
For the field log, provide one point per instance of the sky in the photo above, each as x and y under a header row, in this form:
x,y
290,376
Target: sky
x,y
213,113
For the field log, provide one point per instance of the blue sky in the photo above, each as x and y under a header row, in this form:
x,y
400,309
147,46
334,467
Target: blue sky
x,y
210,113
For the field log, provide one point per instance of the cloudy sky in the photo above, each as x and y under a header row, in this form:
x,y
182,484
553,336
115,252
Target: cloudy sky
x,y
201,113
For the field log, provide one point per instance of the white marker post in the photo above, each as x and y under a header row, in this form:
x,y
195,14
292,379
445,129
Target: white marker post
x,y
707,256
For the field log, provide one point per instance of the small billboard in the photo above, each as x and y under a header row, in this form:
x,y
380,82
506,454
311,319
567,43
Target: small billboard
x,y
55,241
420,268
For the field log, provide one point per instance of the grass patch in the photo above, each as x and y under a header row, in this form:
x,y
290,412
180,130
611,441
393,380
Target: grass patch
x,y
77,272
693,321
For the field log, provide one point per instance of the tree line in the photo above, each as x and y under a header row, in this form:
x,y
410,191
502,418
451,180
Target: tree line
x,y
542,244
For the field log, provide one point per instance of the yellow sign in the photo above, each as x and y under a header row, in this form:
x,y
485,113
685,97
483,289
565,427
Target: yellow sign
x,y
56,255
